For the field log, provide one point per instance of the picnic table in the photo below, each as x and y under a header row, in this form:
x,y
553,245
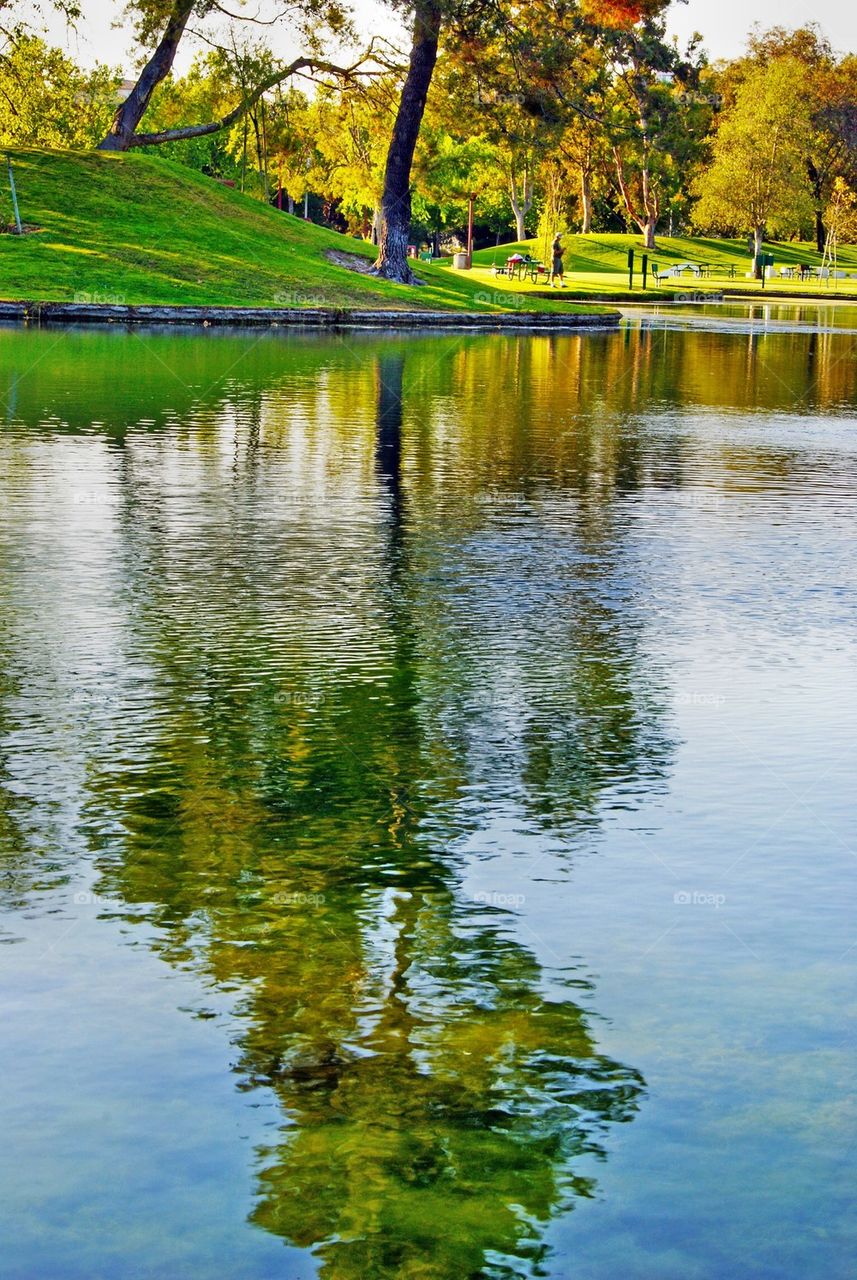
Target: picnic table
x,y
699,269
520,267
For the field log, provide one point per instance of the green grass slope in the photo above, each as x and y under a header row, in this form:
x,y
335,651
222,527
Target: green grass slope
x,y
139,229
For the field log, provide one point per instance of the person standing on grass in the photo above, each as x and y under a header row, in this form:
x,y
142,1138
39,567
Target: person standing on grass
x,y
557,268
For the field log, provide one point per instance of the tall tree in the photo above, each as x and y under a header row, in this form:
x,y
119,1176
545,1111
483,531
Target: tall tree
x,y
757,179
830,85
392,261
542,33
651,120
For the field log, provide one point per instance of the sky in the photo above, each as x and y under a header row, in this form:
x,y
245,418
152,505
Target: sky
x,y
724,26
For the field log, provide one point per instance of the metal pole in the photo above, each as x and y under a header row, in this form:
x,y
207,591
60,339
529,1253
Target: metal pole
x,y
20,229
470,231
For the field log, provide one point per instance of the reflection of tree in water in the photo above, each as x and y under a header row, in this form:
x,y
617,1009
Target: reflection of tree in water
x,y
447,1136
436,1134
301,855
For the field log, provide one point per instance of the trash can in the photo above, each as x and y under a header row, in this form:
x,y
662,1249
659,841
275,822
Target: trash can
x,y
459,262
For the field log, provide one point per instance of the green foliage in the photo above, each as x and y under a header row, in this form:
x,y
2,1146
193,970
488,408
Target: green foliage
x,y
840,215
758,178
343,133
206,92
655,121
548,121
45,100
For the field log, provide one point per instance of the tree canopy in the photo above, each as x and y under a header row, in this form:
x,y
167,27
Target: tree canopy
x,y
566,114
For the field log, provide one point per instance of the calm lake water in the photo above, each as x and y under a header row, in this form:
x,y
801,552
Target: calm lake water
x,y
427,807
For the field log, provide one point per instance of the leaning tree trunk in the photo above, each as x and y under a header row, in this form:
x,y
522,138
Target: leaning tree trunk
x,y
392,262
645,212
131,111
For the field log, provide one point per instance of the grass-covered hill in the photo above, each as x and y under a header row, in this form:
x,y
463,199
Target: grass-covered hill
x,y
139,229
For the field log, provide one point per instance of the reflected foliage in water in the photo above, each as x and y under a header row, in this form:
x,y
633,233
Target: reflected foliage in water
x,y
295,631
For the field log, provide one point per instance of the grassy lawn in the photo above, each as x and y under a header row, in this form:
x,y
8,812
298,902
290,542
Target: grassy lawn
x,y
138,229
597,264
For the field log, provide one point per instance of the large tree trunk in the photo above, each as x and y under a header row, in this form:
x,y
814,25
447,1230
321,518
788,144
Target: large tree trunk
x,y
820,230
131,111
392,262
758,241
648,228
520,200
585,201
646,211
817,183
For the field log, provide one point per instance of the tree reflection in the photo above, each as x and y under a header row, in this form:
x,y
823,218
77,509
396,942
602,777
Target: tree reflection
x,y
320,700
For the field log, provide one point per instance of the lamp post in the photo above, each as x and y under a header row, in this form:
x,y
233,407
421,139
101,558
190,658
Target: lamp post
x,y
471,199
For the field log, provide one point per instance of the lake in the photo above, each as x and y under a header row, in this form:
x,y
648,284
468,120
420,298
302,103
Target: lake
x,y
427,802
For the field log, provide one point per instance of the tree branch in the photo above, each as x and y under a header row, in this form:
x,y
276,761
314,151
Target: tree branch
x,y
296,67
